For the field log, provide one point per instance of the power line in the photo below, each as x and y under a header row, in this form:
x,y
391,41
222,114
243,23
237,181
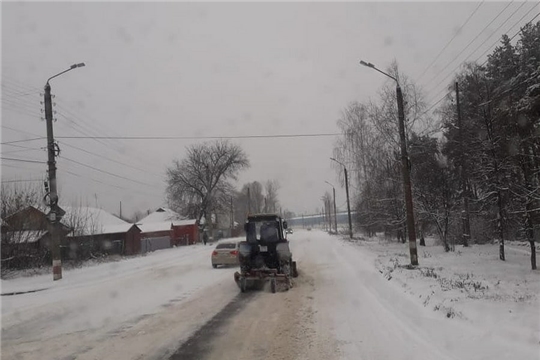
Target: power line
x,y
23,160
22,180
452,39
22,140
197,137
476,37
18,130
138,191
105,158
21,150
478,47
498,39
106,172
512,38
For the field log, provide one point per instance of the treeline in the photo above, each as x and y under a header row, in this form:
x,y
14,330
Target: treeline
x,y
475,172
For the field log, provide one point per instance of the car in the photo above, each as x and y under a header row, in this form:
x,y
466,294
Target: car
x,y
225,253
289,231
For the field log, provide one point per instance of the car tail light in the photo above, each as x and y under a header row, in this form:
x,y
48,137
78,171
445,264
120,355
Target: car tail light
x,y
234,252
214,253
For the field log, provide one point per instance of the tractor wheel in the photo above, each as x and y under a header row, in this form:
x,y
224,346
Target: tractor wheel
x,y
294,270
243,284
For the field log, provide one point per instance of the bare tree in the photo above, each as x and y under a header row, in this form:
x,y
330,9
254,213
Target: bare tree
x,y
256,196
199,184
19,234
137,215
271,199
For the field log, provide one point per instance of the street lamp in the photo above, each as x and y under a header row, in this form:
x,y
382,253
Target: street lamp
x,y
335,212
405,167
347,191
56,213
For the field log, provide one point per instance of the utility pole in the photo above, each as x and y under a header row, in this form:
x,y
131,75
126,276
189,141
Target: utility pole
x,y
335,211
249,200
405,167
465,216
56,213
348,201
232,216
406,179
303,223
347,192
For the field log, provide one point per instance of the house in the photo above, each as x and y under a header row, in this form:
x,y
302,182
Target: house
x,y
155,235
85,231
185,232
97,231
26,238
165,228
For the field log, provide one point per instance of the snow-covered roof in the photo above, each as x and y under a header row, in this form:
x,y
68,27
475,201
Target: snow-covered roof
x,y
92,221
155,226
184,222
27,236
161,215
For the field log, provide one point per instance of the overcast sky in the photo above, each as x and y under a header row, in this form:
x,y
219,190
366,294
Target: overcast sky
x,y
186,69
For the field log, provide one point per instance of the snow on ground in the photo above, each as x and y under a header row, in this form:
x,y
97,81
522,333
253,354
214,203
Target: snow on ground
x,y
470,283
105,298
352,300
378,309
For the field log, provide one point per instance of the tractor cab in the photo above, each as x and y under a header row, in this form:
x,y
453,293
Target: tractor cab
x,y
265,229
266,250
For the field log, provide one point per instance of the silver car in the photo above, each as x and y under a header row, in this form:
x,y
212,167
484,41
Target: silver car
x,y
225,253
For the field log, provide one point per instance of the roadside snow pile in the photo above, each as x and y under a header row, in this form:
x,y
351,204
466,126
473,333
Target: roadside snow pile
x,y
470,283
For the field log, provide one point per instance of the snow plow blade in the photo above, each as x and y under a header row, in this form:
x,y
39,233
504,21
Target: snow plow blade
x,y
256,279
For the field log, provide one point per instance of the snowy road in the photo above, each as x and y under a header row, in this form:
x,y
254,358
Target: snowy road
x,y
173,305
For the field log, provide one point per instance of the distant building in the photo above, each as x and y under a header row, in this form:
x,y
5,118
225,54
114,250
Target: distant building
x,y
85,232
165,228
95,230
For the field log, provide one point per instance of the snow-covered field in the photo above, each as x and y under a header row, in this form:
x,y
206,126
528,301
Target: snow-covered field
x,y
352,300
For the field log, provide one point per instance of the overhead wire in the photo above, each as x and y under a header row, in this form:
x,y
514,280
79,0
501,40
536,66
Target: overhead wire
x,y
476,37
498,39
21,140
106,172
105,158
23,160
463,61
139,191
511,38
200,137
22,180
452,39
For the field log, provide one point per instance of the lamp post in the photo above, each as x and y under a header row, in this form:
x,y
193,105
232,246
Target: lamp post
x,y
56,213
335,211
347,192
405,167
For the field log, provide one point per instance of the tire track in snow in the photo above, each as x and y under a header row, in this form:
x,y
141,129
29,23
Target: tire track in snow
x,y
198,345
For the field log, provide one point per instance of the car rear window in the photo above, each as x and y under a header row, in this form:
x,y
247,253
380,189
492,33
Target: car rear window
x,y
226,246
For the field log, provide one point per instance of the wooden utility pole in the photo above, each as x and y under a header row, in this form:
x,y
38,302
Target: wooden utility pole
x,y
232,216
407,187
249,200
56,213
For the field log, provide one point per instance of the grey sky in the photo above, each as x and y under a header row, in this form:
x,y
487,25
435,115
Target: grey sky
x,y
216,70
